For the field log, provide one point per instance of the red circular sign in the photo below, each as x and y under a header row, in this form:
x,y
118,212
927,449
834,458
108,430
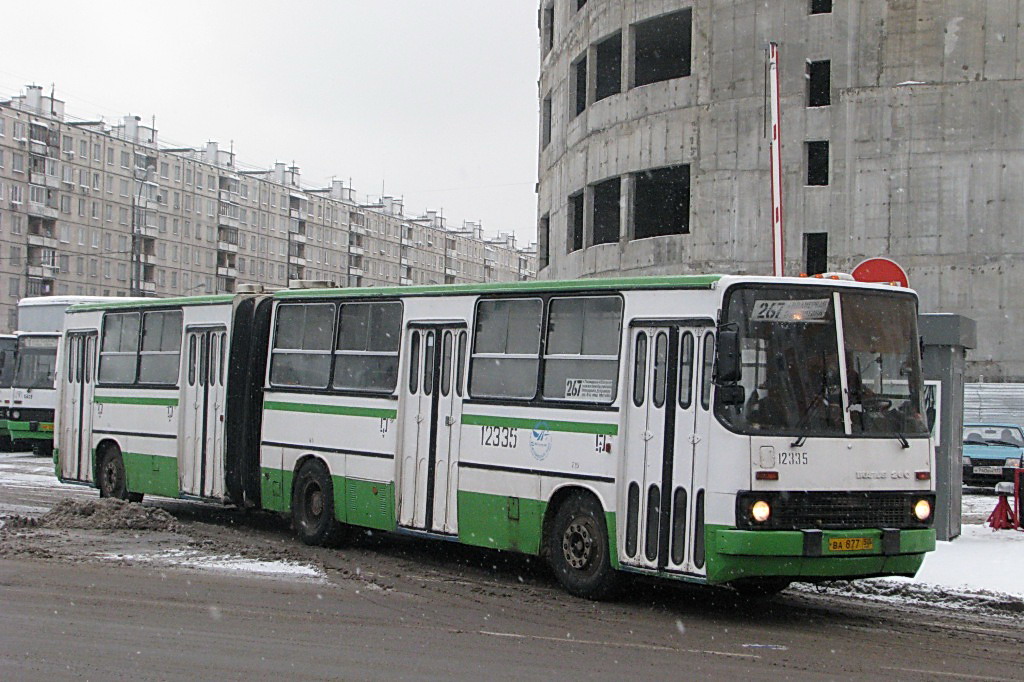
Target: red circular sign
x,y
881,270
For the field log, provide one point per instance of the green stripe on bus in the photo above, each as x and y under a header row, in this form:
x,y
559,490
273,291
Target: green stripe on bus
x,y
542,424
134,400
376,412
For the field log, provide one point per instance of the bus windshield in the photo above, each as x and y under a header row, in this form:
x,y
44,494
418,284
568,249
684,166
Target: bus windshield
x,y
37,360
7,362
793,383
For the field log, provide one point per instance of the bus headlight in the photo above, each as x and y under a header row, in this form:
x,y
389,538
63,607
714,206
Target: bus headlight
x,y
15,414
922,510
1015,462
761,511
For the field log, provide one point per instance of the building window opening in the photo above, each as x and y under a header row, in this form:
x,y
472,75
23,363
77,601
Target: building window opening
x,y
575,241
608,67
661,204
662,48
543,241
579,81
821,6
606,211
819,83
545,122
815,253
547,30
817,162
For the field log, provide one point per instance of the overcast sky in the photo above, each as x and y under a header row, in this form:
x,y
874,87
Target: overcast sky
x,y
435,100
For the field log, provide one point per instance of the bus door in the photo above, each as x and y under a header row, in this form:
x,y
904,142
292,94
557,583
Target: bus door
x,y
76,407
432,410
201,443
660,436
703,364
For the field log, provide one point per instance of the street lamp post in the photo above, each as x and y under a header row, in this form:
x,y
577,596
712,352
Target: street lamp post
x,y
135,288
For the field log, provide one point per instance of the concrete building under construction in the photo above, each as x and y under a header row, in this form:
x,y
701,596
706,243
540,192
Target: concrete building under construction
x,y
902,136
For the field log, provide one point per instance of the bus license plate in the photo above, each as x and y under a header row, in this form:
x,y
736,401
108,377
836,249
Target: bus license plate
x,y
850,544
988,470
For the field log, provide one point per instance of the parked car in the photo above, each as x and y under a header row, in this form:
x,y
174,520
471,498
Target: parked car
x,y
991,452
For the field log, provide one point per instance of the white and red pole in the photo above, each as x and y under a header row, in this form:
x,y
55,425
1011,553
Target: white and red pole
x,y
778,252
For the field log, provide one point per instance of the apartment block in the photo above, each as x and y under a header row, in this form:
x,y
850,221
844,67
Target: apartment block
x,y
97,209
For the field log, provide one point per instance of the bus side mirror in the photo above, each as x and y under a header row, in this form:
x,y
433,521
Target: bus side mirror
x,y
729,369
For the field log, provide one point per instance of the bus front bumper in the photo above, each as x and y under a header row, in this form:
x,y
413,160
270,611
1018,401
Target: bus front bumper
x,y
30,430
815,554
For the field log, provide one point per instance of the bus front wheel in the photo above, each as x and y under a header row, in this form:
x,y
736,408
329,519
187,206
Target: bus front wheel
x,y
313,504
578,549
112,481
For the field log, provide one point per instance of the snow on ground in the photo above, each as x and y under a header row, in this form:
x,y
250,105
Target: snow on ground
x,y
222,563
980,559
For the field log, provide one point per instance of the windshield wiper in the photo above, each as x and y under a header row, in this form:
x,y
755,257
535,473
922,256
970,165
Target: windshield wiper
x,y
1003,442
902,439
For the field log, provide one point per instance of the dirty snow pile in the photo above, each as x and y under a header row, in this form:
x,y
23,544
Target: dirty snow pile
x,y
105,513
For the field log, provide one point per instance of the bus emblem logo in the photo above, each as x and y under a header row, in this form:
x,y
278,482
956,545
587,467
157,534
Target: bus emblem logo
x,y
540,440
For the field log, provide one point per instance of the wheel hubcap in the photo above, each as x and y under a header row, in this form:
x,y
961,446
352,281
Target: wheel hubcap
x,y
316,501
578,543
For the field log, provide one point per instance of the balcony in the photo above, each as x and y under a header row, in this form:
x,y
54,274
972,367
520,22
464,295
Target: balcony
x,y
37,147
295,213
225,220
354,271
450,271
149,231
450,253
147,258
297,237
227,271
43,271
147,287
356,250
227,196
403,261
227,247
404,281
357,229
43,241
297,260
41,211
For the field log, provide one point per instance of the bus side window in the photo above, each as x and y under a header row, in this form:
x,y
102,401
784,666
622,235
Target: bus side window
x,y
192,360
414,364
223,357
428,364
708,365
660,368
460,369
686,371
446,364
640,369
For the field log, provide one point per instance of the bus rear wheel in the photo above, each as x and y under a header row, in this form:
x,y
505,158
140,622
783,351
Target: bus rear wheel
x,y
578,549
313,505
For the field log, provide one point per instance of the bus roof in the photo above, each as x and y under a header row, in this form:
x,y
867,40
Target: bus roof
x,y
589,284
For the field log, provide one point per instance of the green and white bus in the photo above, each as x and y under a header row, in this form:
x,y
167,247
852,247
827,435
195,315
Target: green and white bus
x,y
33,391
8,344
748,431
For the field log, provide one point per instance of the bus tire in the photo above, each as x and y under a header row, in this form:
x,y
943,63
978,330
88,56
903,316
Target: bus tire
x,y
111,479
313,504
578,549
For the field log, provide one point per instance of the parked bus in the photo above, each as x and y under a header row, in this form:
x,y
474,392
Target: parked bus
x,y
716,429
33,394
8,344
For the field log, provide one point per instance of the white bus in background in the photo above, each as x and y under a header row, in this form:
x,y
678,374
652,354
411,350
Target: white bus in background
x,y
33,393
715,429
8,344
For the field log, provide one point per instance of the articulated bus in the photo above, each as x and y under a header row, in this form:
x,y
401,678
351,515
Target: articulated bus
x,y
33,393
749,431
